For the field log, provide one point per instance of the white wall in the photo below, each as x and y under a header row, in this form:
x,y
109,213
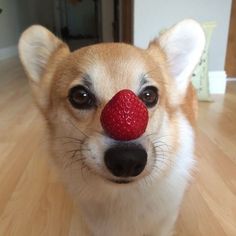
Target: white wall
x,y
151,16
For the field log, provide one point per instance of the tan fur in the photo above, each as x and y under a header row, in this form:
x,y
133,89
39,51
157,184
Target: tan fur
x,y
157,192
72,66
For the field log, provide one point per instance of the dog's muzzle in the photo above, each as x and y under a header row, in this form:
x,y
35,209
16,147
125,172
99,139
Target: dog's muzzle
x,y
125,160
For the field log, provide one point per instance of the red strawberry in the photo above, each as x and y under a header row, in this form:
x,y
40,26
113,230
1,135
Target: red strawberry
x,y
125,116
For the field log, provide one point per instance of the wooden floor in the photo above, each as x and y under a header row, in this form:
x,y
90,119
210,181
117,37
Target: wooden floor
x,y
33,201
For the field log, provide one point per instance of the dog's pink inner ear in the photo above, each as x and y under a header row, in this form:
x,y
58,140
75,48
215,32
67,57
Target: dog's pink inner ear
x,y
36,46
125,116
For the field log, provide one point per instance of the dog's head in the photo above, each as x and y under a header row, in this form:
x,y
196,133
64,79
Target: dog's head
x,y
72,89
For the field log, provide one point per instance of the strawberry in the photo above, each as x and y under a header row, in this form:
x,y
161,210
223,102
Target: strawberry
x,y
125,116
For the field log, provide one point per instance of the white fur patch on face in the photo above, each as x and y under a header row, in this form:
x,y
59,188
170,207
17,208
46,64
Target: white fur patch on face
x,y
162,142
110,77
95,147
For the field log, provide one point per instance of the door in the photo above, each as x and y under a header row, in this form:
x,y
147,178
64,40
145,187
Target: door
x,y
127,21
230,66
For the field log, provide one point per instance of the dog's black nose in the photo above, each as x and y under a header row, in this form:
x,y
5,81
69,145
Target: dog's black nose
x,y
126,160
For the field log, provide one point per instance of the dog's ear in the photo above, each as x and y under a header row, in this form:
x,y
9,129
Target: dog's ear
x,y
40,51
182,45
36,46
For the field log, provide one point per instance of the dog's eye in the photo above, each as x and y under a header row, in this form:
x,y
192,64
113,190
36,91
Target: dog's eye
x,y
149,96
81,98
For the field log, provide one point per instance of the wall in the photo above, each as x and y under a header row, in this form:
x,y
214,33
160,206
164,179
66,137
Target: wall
x,y
17,16
9,24
36,12
152,16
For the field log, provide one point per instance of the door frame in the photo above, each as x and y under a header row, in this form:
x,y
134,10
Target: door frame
x,y
231,46
127,21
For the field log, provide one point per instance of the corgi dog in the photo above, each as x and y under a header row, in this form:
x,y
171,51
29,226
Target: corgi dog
x,y
121,125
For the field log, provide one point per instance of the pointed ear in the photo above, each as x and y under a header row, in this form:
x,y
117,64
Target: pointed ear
x,y
36,46
183,46
40,52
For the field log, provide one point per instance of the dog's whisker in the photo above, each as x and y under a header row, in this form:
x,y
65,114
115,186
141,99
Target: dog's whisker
x,y
147,180
151,134
148,135
77,160
77,150
84,167
72,157
158,137
162,152
159,141
163,158
98,132
164,161
161,146
76,156
160,170
77,128
162,155
67,137
72,142
73,160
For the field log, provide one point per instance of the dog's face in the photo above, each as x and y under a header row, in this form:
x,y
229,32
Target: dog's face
x,y
72,89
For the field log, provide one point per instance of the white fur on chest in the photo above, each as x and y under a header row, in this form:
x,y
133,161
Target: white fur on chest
x,y
148,209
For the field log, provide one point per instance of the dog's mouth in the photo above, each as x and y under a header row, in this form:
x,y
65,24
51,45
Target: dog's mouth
x,y
121,181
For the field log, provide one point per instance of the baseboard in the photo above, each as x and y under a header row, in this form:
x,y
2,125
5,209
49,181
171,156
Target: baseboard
x,y
217,82
8,52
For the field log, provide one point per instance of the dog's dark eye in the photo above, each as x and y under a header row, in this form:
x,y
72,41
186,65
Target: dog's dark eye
x,y
149,96
81,98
